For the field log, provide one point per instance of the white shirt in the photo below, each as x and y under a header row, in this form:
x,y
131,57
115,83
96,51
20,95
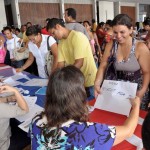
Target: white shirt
x,y
6,112
11,44
40,53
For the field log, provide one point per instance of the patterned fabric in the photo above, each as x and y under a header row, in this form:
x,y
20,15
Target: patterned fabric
x,y
71,136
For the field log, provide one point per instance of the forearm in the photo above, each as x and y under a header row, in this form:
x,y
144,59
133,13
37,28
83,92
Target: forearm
x,y
100,74
127,129
132,120
79,63
146,81
20,101
55,63
27,64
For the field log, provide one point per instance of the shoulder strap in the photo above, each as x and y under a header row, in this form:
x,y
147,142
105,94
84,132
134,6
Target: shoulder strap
x,y
48,47
133,45
14,43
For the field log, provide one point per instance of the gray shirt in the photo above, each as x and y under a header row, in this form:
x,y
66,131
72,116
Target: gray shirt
x,y
7,111
77,27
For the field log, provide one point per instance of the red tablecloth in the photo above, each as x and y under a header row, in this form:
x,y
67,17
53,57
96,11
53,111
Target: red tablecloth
x,y
102,116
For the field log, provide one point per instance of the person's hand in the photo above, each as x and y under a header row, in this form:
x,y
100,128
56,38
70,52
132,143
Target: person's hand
x,y
140,93
135,102
7,88
19,70
8,99
97,89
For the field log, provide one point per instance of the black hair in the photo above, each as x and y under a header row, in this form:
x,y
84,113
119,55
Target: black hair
x,y
66,97
147,22
146,132
29,23
53,22
33,30
71,12
17,29
109,22
47,19
87,22
93,21
7,28
101,24
122,19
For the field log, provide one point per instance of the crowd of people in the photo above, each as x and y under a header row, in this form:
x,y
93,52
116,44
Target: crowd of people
x,y
82,54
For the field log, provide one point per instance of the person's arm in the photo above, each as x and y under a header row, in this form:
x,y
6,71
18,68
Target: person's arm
x,y
102,68
27,63
61,64
54,51
79,63
96,41
127,129
19,98
143,55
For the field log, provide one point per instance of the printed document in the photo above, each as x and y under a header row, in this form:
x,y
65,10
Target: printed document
x,y
115,96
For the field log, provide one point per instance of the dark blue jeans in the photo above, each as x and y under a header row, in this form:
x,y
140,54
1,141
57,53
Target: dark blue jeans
x,y
90,93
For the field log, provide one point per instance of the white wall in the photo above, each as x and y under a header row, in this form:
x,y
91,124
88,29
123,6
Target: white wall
x,y
3,21
14,12
106,11
116,8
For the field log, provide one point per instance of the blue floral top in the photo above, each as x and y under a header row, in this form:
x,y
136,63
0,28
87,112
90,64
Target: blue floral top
x,y
71,135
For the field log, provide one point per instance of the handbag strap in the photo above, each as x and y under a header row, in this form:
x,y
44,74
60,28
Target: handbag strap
x,y
14,43
48,47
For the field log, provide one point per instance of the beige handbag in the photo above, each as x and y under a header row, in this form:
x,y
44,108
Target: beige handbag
x,y
20,55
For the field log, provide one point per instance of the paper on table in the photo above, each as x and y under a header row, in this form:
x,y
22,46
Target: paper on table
x,y
30,100
11,82
30,114
115,96
19,76
134,140
25,125
36,82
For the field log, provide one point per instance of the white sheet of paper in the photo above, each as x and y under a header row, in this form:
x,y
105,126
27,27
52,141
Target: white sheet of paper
x,y
11,82
20,76
30,100
36,82
136,141
25,125
30,114
115,96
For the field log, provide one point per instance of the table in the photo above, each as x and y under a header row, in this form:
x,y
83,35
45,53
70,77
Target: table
x,y
100,116
110,118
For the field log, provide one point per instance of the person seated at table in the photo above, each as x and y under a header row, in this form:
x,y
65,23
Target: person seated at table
x,y
146,132
64,123
8,111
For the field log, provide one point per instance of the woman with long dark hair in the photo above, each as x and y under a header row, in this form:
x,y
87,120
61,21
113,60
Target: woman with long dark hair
x,y
130,58
64,123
